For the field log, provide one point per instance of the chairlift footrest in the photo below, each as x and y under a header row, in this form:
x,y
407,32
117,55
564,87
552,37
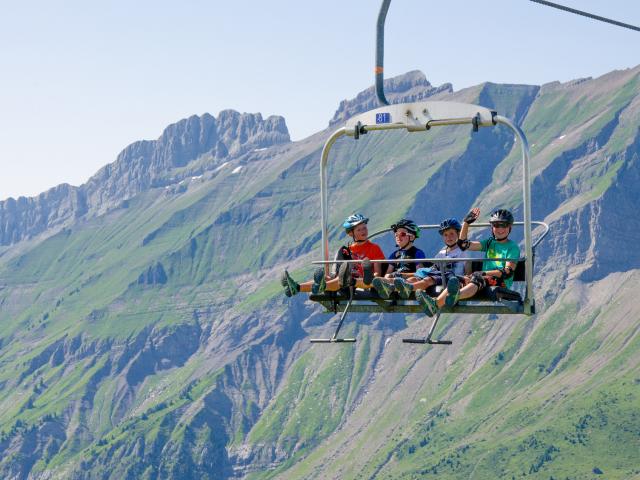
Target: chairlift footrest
x,y
427,341
333,340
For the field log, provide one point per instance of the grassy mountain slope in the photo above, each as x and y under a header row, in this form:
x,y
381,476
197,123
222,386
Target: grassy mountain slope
x,y
153,341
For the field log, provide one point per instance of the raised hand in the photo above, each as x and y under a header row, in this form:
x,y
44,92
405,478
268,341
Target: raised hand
x,y
472,216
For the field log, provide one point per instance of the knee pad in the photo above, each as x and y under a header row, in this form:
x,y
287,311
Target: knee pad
x,y
478,280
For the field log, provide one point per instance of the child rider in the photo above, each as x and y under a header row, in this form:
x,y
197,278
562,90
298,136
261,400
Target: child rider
x,y
361,248
495,272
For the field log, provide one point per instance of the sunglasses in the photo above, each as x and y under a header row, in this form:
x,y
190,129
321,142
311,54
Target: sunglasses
x,y
500,224
401,234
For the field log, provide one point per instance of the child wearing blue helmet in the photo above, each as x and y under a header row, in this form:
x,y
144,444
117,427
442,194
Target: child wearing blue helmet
x,y
361,248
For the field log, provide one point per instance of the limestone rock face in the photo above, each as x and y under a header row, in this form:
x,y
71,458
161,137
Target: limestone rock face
x,y
22,218
140,166
410,87
154,275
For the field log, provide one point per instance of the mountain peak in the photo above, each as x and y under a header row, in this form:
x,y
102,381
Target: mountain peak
x,y
142,165
412,86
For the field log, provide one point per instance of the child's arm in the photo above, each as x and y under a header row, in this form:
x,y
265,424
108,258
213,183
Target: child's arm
x,y
463,243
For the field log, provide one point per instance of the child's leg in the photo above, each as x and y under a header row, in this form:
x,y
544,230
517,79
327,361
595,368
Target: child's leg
x,y
423,284
467,291
360,283
333,285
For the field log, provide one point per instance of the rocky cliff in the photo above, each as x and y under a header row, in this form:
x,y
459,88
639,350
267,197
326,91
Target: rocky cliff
x,y
153,341
141,166
410,87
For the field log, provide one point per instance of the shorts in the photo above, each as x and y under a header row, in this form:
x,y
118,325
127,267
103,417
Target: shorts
x,y
436,275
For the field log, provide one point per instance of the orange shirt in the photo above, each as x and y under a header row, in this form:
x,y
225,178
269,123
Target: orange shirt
x,y
360,251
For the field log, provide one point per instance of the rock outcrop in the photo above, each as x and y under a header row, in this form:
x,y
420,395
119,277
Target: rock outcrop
x,y
410,87
139,167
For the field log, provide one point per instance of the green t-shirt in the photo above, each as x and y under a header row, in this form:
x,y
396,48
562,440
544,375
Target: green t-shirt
x,y
508,249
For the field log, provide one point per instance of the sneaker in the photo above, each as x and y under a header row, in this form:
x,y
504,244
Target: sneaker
x,y
344,275
428,304
383,288
367,272
289,284
453,289
403,288
319,281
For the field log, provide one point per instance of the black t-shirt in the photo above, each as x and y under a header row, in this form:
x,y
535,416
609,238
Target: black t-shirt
x,y
400,253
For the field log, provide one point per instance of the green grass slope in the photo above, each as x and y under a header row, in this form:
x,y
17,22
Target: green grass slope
x,y
154,341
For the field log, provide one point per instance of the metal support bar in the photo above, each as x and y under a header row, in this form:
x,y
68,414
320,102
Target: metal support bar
x,y
429,335
324,201
526,207
379,70
334,338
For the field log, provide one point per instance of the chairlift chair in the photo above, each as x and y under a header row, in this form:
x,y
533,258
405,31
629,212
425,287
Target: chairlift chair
x,y
421,117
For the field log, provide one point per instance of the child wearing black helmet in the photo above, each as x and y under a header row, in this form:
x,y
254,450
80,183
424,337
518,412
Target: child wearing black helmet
x,y
362,272
495,272
405,232
424,278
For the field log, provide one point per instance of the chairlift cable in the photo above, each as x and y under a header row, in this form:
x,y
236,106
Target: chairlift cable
x,y
587,14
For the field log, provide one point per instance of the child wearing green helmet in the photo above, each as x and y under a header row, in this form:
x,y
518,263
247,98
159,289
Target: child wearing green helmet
x,y
361,248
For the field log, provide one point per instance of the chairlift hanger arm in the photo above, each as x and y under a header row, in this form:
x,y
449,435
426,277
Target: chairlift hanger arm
x,y
379,70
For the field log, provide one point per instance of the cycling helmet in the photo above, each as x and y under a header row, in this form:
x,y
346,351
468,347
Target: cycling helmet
x,y
353,220
409,225
501,215
449,223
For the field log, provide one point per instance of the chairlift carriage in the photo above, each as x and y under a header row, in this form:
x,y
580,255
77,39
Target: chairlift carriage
x,y
414,118
421,117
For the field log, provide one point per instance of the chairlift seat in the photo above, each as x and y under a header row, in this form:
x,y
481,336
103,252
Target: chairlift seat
x,y
500,300
497,300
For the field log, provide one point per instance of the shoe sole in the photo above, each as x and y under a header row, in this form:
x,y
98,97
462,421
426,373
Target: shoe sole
x,y
402,288
453,290
430,309
383,288
319,282
284,281
367,272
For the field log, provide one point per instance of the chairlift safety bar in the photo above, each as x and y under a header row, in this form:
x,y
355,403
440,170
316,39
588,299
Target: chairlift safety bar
x,y
421,260
476,225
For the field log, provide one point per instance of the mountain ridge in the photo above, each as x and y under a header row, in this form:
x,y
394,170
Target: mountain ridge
x,y
140,166
153,341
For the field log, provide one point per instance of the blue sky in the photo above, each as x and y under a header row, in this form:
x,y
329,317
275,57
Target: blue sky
x,y
81,80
